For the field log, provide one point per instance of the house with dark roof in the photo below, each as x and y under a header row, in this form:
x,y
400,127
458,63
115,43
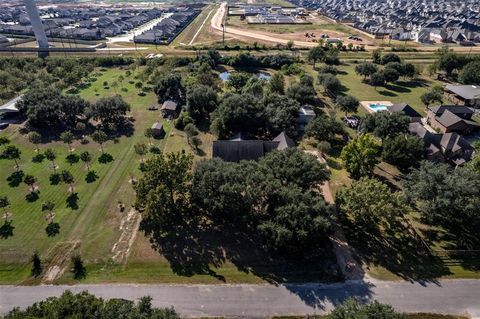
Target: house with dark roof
x,y
467,95
448,147
169,109
405,109
238,149
448,119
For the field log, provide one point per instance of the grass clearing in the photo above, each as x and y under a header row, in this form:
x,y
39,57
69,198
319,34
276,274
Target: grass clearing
x,y
408,91
95,222
317,25
191,30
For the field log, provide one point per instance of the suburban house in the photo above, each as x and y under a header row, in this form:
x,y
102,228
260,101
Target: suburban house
x,y
305,115
405,109
467,95
169,109
449,119
157,130
238,148
448,147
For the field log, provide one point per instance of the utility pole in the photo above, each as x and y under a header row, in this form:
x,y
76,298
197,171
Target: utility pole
x,y
37,27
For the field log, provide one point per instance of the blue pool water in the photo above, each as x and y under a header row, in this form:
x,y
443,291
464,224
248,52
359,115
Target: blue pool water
x,y
377,107
261,75
224,76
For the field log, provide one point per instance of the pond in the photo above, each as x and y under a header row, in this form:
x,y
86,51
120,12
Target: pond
x,y
261,75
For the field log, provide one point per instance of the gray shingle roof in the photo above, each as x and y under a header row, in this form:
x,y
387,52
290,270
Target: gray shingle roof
x,y
467,92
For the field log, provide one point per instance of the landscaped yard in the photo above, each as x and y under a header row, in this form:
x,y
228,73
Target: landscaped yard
x,y
403,91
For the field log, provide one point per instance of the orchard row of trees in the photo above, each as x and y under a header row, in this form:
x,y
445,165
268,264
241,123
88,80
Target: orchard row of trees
x,y
12,152
17,74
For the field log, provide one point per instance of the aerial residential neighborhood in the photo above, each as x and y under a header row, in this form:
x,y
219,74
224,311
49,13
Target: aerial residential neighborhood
x,y
243,159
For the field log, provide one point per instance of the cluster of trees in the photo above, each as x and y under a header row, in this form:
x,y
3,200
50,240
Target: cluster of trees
x,y
465,67
46,107
266,61
393,68
384,135
275,198
87,306
326,54
252,105
17,74
449,198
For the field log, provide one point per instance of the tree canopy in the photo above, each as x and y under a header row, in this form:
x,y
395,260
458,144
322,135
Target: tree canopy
x,y
449,198
386,124
170,87
201,101
87,306
369,203
360,155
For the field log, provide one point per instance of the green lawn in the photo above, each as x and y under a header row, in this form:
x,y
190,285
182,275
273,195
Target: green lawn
x,y
402,91
94,224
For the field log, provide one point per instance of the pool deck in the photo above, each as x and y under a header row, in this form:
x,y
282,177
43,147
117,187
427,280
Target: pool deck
x,y
366,105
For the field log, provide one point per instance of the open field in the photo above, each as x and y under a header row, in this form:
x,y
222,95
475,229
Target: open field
x,y
97,218
317,26
189,35
407,91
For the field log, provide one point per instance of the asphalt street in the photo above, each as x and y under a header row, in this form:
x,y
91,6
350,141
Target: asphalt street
x,y
447,296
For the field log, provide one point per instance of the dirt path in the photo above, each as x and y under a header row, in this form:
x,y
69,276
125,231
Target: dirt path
x,y
219,18
349,266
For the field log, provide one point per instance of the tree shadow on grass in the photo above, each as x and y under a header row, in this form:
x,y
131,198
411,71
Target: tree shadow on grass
x,y
387,93
396,250
38,158
91,177
193,249
32,196
459,245
105,158
415,83
397,88
6,230
15,179
72,159
72,201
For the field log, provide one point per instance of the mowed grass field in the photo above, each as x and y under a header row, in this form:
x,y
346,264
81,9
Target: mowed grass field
x,y
402,91
95,223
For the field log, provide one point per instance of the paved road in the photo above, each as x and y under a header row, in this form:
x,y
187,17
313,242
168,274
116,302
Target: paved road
x,y
449,296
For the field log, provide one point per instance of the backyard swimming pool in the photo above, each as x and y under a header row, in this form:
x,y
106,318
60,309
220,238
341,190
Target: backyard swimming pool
x,y
375,106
